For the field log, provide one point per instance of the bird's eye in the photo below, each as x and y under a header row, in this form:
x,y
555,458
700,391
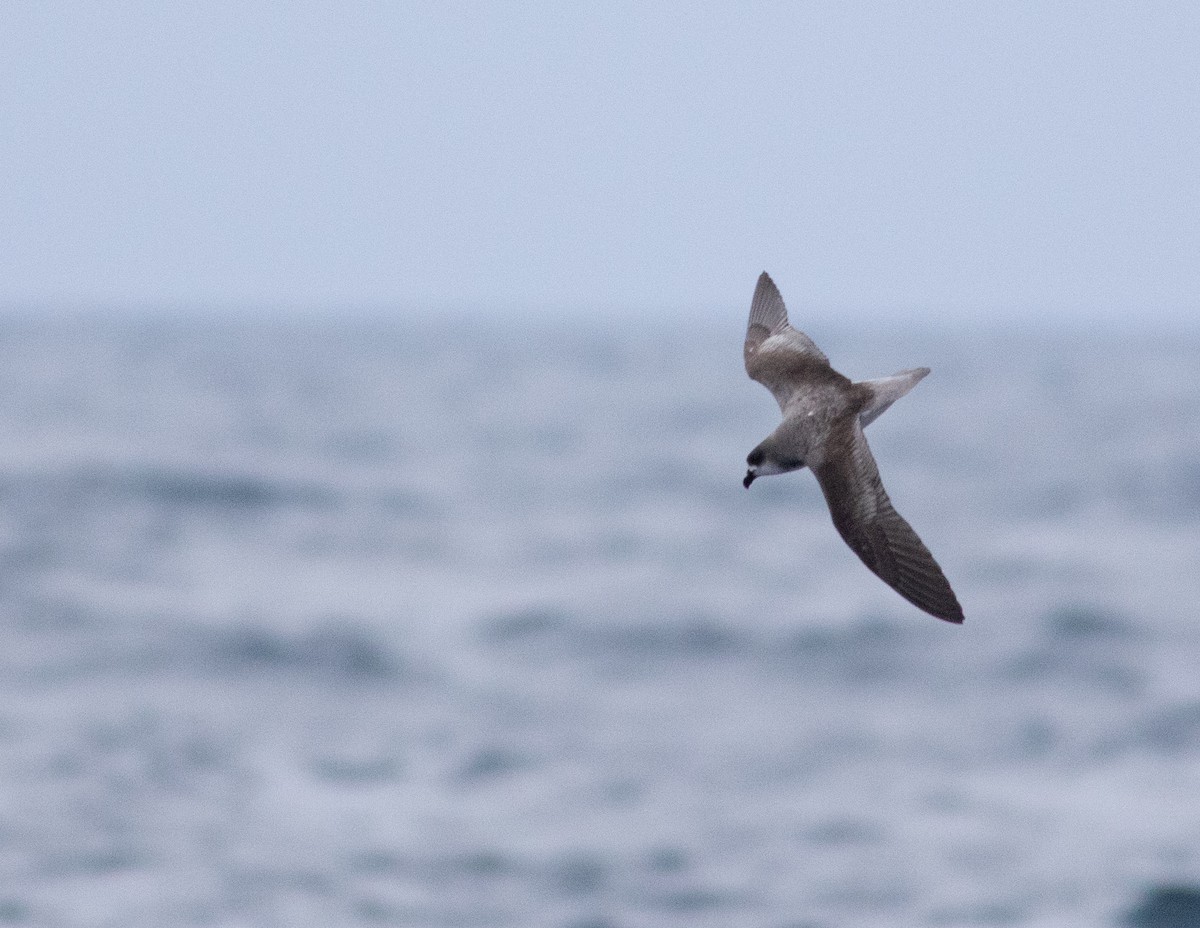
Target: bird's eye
x,y
755,457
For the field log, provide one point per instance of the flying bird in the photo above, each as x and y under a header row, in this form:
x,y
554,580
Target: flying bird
x,y
824,414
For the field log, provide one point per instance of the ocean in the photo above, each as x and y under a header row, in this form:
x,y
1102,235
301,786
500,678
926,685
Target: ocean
x,y
454,624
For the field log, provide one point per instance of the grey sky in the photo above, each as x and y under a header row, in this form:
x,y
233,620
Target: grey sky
x,y
979,158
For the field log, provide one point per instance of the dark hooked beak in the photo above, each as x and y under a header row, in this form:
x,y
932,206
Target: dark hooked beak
x,y
749,479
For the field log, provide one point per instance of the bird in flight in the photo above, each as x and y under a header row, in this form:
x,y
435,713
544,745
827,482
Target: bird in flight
x,y
824,414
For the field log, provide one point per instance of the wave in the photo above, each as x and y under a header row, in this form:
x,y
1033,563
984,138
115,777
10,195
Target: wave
x,y
200,489
332,652
871,649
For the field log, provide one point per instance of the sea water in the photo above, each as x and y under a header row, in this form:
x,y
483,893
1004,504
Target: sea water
x,y
459,624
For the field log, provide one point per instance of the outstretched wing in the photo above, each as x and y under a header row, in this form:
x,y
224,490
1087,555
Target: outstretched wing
x,y
865,518
778,356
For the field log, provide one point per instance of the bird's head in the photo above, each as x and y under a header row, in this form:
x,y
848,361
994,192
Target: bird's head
x,y
761,462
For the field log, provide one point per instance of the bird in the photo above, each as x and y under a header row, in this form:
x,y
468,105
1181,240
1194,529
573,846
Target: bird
x,y
824,414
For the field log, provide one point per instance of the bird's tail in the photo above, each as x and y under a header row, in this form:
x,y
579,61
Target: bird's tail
x,y
886,390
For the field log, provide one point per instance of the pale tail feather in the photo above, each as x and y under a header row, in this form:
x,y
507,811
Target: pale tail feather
x,y
886,390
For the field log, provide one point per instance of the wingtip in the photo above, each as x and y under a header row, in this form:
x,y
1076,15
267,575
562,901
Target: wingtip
x,y
766,294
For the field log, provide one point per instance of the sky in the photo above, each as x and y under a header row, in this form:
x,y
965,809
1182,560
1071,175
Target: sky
x,y
951,160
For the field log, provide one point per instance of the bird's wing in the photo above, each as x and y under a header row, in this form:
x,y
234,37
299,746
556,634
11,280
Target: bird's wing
x,y
778,356
878,534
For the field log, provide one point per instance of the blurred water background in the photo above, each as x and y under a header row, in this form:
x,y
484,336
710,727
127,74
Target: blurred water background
x,y
407,623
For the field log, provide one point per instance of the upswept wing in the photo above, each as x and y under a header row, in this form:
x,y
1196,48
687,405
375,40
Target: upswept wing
x,y
865,518
778,356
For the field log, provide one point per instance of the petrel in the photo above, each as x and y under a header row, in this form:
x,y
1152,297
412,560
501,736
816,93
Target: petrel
x,y
824,414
